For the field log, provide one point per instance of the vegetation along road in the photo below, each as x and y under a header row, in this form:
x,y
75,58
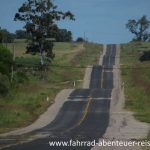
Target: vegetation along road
x,y
85,116
58,92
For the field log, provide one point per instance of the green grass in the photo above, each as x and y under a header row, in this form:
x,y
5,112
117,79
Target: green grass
x,y
28,60
28,100
136,76
90,55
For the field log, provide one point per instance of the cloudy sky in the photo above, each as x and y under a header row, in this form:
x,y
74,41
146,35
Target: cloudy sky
x,y
101,21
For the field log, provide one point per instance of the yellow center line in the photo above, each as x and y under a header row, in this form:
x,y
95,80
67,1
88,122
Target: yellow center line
x,y
85,112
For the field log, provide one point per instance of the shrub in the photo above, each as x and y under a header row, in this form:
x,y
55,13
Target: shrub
x,y
4,85
20,77
6,60
145,56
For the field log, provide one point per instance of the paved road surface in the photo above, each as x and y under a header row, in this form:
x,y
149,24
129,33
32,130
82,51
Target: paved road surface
x,y
85,116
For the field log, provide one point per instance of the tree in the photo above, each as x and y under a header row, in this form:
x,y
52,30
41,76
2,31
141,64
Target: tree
x,y
40,17
62,35
5,36
139,28
80,39
21,34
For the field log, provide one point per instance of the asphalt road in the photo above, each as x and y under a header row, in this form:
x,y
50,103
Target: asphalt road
x,y
85,116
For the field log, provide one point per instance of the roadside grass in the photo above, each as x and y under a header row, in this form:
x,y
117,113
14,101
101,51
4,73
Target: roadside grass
x,y
136,76
28,100
88,56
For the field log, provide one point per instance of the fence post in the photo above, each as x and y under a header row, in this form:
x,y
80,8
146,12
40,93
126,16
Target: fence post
x,y
12,67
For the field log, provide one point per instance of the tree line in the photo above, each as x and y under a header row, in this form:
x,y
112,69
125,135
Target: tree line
x,y
62,35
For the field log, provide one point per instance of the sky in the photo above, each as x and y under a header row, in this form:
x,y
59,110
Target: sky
x,y
101,21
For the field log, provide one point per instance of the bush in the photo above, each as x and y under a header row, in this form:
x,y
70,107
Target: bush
x,y
20,77
4,85
145,56
6,61
80,39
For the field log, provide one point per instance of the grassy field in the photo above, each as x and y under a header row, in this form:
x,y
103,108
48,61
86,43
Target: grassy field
x,y
28,100
136,76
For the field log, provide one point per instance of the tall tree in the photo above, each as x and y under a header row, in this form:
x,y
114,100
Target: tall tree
x,y
139,28
40,17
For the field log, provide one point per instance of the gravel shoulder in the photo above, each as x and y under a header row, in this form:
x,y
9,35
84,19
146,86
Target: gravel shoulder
x,y
102,55
87,77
